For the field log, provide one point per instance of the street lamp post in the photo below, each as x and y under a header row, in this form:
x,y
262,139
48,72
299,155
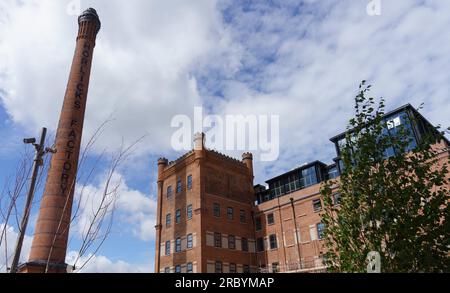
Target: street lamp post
x,y
38,162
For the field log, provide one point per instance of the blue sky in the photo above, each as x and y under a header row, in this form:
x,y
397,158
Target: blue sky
x,y
301,60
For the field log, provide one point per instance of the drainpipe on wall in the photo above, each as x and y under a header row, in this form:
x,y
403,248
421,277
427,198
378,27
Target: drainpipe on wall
x,y
296,233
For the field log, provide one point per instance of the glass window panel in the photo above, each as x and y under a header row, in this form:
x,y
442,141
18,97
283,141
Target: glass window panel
x,y
189,267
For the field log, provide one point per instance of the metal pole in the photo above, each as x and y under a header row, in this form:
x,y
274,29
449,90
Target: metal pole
x,y
297,231
23,225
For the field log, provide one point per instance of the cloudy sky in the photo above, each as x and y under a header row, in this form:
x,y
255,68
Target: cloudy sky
x,y
301,60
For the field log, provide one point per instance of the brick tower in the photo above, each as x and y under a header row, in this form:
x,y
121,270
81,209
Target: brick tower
x,y
48,251
204,220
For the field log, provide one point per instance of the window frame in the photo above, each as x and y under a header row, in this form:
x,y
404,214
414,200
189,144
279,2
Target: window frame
x,y
191,269
217,239
275,267
167,248
260,247
242,216
231,240
168,219
178,244
179,186
230,213
273,240
189,212
189,182
244,240
232,265
169,192
189,239
218,262
216,210
178,269
314,201
178,216
272,217
320,231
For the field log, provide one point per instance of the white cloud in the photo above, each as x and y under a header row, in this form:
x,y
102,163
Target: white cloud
x,y
133,209
139,210
155,59
10,244
102,264
305,64
142,66
94,264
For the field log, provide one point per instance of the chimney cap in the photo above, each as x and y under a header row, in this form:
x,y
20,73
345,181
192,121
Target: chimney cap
x,y
163,161
199,141
247,156
90,14
199,135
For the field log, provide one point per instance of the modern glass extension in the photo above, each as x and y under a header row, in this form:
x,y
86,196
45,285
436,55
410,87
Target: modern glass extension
x,y
405,117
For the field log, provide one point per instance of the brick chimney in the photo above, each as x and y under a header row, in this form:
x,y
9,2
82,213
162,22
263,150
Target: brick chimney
x,y
247,159
48,250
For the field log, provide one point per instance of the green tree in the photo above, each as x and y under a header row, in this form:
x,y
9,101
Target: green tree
x,y
397,205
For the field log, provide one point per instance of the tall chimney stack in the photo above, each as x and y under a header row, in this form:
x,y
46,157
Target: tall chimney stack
x,y
48,250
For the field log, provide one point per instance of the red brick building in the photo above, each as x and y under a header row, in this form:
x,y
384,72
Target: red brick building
x,y
204,217
210,219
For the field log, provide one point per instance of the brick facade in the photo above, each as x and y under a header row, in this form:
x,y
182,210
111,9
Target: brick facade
x,y
237,228
220,191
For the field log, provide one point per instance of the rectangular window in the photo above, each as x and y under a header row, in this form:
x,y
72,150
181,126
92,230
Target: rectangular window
x,y
166,270
317,205
231,242
244,244
168,220
179,186
308,177
189,212
218,267
178,216
337,198
260,244
168,247
177,269
217,239
320,228
189,182
178,245
246,269
189,241
232,268
277,188
273,241
242,217
332,172
258,223
230,213
189,268
169,191
275,267
216,209
270,219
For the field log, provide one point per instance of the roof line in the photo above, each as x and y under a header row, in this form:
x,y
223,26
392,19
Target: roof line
x,y
304,166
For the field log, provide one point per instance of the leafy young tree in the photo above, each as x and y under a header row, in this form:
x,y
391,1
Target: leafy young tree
x,y
394,204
